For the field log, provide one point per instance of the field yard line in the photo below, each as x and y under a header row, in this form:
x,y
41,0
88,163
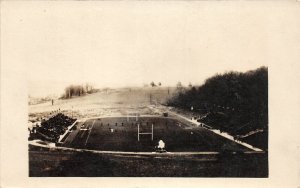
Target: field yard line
x,y
90,132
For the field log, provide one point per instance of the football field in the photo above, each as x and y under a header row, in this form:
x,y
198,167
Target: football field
x,y
121,134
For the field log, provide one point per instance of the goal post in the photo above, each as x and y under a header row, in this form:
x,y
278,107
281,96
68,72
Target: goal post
x,y
142,133
132,115
137,116
152,131
138,132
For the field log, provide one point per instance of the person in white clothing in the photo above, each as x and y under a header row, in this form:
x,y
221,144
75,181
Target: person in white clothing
x,y
161,145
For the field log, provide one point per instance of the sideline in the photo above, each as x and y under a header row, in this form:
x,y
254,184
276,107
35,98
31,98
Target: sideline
x,y
66,132
52,146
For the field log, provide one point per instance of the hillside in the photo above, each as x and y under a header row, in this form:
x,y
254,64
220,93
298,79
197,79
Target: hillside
x,y
233,102
105,102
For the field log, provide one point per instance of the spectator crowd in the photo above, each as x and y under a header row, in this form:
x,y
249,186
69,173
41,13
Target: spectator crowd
x,y
51,129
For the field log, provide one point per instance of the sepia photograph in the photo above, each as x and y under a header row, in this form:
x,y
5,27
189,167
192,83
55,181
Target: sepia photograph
x,y
159,89
133,96
216,129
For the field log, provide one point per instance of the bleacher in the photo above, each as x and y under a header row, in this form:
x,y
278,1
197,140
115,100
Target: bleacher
x,y
51,129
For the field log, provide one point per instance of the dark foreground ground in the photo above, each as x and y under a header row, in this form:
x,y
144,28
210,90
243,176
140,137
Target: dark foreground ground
x,y
55,163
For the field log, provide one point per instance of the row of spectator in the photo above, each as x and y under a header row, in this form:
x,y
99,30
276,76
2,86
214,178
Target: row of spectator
x,y
52,128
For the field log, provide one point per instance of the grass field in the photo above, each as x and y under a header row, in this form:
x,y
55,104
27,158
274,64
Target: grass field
x,y
96,134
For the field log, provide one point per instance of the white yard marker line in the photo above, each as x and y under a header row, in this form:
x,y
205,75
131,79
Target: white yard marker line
x,y
89,132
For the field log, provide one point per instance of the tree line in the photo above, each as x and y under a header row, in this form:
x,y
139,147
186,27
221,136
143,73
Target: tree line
x,y
238,101
78,90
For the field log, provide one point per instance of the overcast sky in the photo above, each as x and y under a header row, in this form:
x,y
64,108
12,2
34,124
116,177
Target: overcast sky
x,y
129,44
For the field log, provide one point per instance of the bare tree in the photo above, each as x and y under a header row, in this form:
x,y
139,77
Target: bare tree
x,y
152,84
74,90
179,85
